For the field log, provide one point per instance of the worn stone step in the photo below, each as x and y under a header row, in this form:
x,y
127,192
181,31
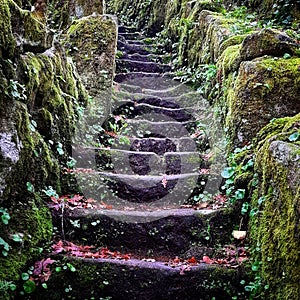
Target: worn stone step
x,y
146,80
138,280
135,93
148,163
127,29
146,58
133,48
159,124
130,35
157,145
123,189
139,76
132,109
140,66
169,232
137,42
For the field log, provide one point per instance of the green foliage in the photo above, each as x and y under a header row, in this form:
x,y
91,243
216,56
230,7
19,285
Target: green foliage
x,y
29,286
5,217
7,285
5,247
16,90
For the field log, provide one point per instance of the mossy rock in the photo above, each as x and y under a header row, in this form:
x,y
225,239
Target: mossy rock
x,y
275,227
91,41
268,42
32,33
7,42
267,86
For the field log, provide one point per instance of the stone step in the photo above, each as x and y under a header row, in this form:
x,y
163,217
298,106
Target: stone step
x,y
135,94
127,190
158,145
147,163
162,125
137,76
146,80
146,58
132,109
138,280
130,35
137,42
133,48
140,66
153,234
127,29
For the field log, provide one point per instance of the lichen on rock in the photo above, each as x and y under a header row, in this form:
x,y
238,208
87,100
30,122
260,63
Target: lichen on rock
x,y
275,226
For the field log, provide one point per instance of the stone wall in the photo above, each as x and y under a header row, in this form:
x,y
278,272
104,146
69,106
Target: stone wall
x,y
42,96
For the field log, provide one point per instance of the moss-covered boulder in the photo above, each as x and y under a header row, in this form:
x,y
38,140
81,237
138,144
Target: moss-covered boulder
x,y
92,43
268,42
30,31
265,88
275,205
64,12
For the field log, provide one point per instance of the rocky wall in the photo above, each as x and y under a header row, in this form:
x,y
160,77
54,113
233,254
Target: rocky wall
x,y
41,98
275,230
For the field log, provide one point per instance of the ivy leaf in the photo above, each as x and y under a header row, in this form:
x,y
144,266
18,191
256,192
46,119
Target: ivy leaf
x,y
30,187
29,286
294,137
25,276
228,172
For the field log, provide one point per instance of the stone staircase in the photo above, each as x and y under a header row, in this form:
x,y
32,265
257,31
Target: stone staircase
x,y
152,238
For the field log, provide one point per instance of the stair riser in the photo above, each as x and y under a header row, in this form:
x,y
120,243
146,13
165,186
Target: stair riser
x,y
121,280
135,66
155,235
148,164
133,48
132,189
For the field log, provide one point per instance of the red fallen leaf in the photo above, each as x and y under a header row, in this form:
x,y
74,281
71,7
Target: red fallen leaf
x,y
207,260
42,271
241,259
111,133
58,247
192,260
107,206
206,157
201,205
176,260
183,269
204,171
220,198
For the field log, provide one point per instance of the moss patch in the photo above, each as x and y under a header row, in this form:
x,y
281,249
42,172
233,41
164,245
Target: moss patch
x,y
275,228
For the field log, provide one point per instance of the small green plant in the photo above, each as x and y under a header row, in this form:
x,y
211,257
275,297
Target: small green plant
x,y
119,54
30,187
294,136
7,285
50,192
59,148
5,247
5,217
16,90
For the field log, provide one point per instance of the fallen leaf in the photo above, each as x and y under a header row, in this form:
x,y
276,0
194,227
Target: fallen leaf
x,y
239,235
207,260
192,260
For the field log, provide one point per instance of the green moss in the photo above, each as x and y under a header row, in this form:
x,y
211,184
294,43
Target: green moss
x,y
275,228
7,42
229,60
32,219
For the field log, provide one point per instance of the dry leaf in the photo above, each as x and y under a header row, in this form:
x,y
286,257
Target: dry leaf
x,y
239,235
